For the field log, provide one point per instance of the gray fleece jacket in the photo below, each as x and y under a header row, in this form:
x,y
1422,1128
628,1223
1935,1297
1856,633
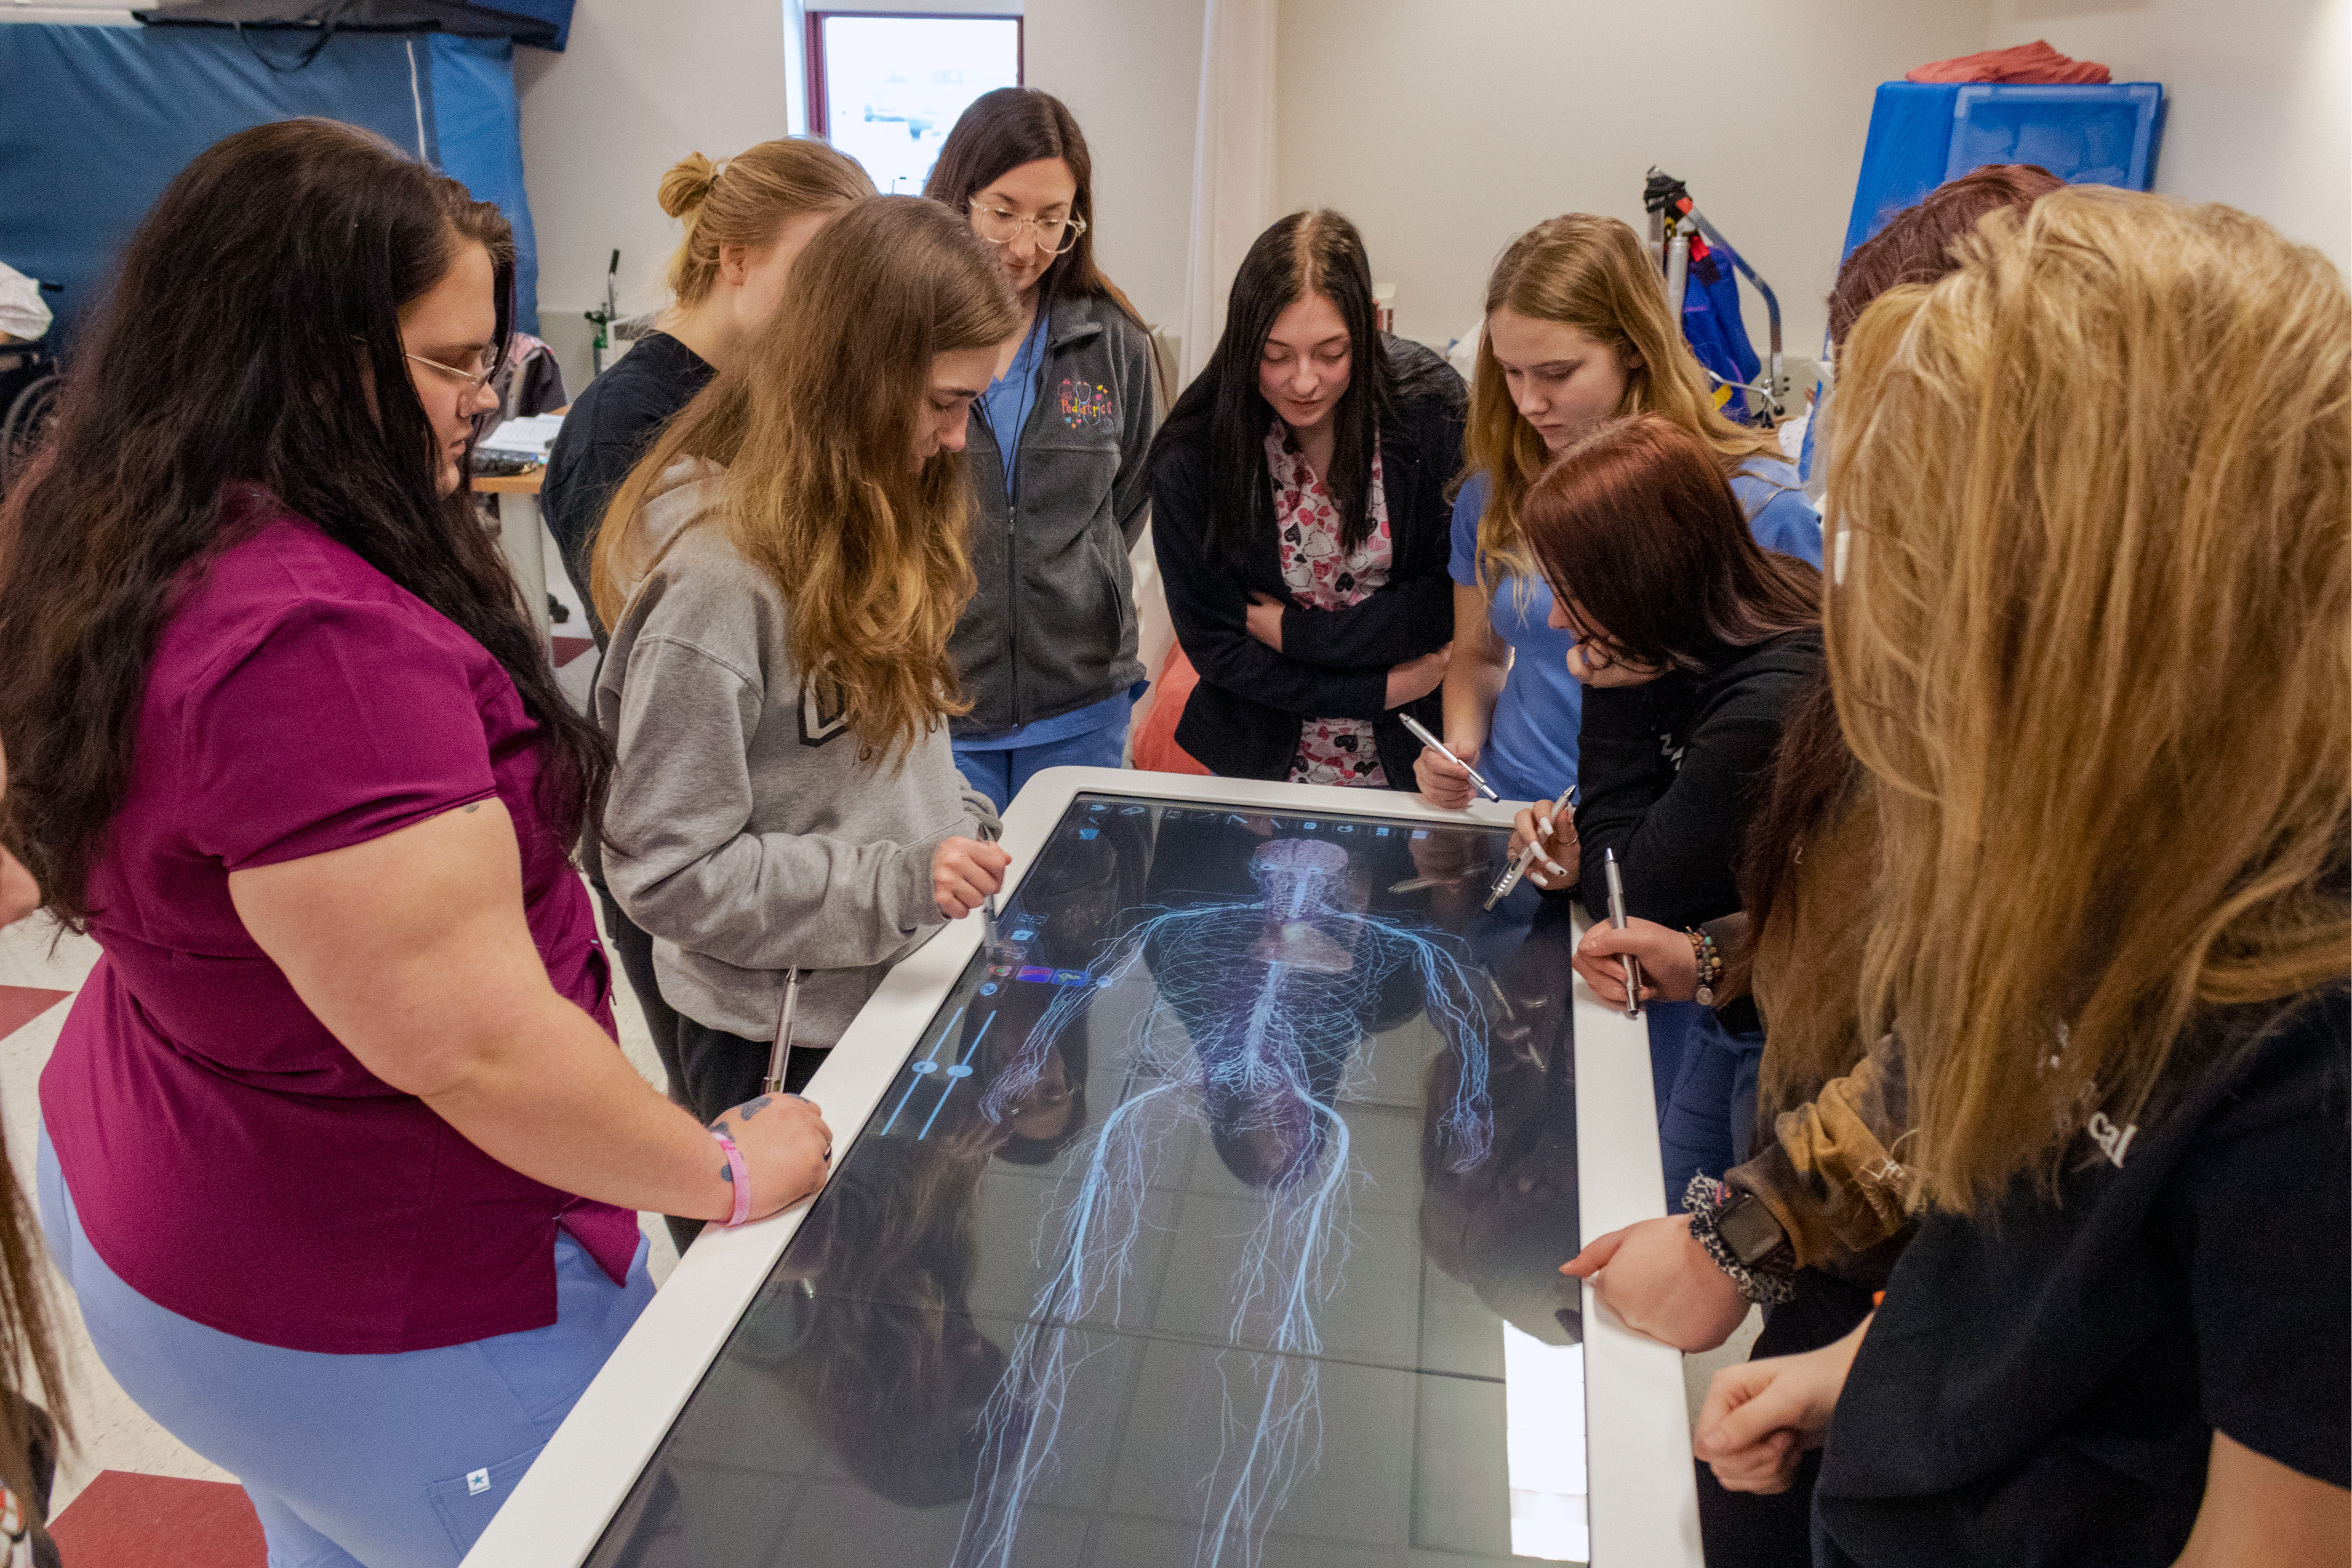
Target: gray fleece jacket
x,y
742,832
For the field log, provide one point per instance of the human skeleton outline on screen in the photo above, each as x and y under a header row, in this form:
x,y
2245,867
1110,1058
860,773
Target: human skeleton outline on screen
x,y
1260,1010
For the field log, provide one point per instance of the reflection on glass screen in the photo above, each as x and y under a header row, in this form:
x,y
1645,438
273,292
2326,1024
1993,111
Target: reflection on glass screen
x,y
1214,1218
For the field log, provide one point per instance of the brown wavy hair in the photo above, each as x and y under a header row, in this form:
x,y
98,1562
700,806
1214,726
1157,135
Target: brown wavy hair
x,y
1636,526
1816,785
820,490
2090,643
747,199
303,240
1595,274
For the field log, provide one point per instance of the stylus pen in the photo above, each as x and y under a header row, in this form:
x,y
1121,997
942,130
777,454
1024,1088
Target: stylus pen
x,y
781,1052
1617,922
1510,879
1420,734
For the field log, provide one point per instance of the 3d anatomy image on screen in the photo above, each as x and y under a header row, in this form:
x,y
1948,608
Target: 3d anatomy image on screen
x,y
1214,1220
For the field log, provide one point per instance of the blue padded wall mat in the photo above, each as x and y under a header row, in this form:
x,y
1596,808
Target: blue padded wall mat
x,y
95,120
477,133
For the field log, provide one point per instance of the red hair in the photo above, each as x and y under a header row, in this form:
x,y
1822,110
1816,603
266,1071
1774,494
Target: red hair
x,y
1636,527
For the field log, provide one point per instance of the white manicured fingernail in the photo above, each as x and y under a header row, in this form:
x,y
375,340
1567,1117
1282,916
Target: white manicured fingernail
x,y
1555,868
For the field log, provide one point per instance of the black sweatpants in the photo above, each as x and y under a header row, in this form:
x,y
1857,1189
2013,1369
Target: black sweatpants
x,y
1747,1529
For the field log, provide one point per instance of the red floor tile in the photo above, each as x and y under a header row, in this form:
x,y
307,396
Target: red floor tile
x,y
20,1005
126,1521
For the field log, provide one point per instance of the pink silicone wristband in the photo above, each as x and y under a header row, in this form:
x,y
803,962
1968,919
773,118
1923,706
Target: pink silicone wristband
x,y
740,1179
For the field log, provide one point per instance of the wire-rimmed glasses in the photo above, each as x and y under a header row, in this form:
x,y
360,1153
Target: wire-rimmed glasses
x,y
1054,235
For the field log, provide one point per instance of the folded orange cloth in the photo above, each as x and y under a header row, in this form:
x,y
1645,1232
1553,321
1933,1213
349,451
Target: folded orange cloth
x,y
2033,62
1155,749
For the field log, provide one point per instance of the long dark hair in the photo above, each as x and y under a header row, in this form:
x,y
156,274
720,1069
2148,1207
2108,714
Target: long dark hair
x,y
1003,129
253,339
1637,526
1313,252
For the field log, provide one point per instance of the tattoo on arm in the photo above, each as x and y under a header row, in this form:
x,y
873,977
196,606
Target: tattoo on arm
x,y
476,806
752,1108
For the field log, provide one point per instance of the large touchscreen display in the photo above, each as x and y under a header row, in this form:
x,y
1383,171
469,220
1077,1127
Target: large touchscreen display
x,y
1214,1219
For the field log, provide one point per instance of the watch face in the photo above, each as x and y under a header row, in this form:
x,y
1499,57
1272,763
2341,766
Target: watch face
x,y
1749,1228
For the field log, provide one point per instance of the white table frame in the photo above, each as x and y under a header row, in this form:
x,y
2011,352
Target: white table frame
x,y
1643,1495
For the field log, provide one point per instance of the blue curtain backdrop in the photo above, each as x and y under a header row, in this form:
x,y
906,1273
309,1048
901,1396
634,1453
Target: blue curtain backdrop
x,y
95,120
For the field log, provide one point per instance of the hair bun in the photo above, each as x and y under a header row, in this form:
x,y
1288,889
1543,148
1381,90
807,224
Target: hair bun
x,y
687,184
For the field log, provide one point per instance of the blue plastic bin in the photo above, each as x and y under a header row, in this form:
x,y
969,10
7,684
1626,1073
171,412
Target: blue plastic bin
x,y
1923,134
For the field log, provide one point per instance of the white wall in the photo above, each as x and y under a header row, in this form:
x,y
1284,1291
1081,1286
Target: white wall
x,y
1130,71
1444,131
2256,110
640,86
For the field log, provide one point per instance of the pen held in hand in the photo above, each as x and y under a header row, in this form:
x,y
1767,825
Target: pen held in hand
x,y
1421,732
1633,966
1510,879
781,1054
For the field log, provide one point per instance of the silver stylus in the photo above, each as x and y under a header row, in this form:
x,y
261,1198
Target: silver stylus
x,y
1617,922
781,1053
1421,732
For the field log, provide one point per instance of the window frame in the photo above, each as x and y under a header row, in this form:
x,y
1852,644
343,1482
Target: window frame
x,y
820,108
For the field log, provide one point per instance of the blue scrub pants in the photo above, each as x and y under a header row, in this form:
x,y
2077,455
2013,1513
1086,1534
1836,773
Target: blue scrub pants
x,y
999,773
385,1461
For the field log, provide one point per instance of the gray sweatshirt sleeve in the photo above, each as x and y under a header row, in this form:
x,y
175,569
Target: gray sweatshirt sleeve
x,y
682,861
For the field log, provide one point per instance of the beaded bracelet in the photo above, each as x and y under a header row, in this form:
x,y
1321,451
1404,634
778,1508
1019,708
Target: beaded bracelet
x,y
1709,959
1766,1283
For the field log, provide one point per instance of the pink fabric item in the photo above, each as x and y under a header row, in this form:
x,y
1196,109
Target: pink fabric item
x,y
232,1161
2027,63
1323,576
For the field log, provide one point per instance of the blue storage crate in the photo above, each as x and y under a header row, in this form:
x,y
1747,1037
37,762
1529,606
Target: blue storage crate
x,y
1923,134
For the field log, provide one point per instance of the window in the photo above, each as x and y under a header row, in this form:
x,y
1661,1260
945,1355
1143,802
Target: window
x,y
887,89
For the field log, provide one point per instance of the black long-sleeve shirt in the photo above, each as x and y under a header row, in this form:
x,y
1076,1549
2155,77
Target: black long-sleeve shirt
x,y
1243,719
1672,770
612,426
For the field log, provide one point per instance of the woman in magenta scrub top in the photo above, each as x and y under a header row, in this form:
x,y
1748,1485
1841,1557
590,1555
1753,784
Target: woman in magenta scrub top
x,y
340,1154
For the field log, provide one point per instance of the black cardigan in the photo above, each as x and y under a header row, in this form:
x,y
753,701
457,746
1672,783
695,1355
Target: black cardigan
x,y
1670,773
1243,719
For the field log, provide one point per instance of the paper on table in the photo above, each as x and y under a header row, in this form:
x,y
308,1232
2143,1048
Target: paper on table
x,y
530,436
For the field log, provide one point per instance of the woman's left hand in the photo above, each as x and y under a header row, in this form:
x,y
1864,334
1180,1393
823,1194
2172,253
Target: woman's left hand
x,y
1759,1418
1265,618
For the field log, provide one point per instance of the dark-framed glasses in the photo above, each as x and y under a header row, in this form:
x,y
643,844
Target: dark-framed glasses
x,y
1054,235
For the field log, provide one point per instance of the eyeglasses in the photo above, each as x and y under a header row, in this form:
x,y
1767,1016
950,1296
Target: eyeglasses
x,y
475,380
995,225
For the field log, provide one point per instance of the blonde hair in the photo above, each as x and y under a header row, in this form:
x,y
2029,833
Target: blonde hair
x,y
820,490
1593,274
745,200
2092,644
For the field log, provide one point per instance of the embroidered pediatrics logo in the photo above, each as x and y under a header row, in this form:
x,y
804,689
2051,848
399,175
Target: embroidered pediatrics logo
x,y
824,712
1087,406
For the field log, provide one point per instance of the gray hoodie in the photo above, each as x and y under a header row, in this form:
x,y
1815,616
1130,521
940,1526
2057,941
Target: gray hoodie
x,y
742,831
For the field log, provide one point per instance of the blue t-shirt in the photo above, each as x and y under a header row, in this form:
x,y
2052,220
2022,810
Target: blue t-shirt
x,y
1530,750
1010,397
